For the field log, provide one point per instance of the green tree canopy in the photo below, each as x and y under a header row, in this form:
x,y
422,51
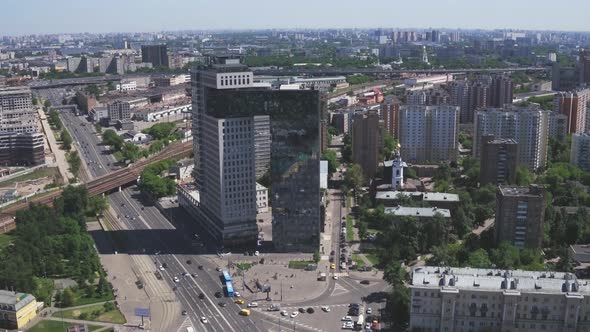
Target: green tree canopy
x,y
66,140
330,156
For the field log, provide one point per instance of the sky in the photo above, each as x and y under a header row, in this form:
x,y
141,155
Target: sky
x,y
19,17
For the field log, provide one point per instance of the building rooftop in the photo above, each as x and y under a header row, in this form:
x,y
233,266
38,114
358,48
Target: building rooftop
x,y
532,191
498,280
260,187
502,141
9,90
18,300
424,196
416,212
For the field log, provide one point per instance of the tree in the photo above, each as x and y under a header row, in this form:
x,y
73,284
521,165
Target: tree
x,y
94,90
152,181
47,104
75,162
523,176
156,146
103,287
66,140
354,177
98,128
479,259
330,156
398,308
160,131
394,274
130,151
316,256
97,205
110,138
389,145
35,101
68,297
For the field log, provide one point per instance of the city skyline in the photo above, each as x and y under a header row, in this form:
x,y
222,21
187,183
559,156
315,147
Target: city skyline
x,y
152,16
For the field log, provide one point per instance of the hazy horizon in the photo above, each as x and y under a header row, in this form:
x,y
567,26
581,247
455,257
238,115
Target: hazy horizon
x,y
110,16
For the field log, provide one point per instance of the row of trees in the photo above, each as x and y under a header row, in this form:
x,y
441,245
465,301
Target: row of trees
x,y
51,242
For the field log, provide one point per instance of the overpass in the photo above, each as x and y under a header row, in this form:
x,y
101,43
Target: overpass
x,y
113,180
378,71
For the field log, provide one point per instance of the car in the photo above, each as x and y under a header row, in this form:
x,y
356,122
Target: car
x,y
194,275
161,268
164,265
218,269
294,314
184,312
365,282
158,275
253,305
222,304
189,262
237,294
218,294
368,326
196,236
332,252
325,308
369,311
347,326
201,296
346,319
200,267
335,277
176,279
310,310
204,320
301,310
354,305
273,307
256,253
184,274
239,301
284,313
332,266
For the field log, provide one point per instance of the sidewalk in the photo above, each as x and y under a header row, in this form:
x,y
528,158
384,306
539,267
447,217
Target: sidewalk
x,y
59,155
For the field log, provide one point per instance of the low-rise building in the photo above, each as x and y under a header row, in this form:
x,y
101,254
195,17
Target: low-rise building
x,y
467,299
136,137
155,112
261,198
441,200
16,309
404,211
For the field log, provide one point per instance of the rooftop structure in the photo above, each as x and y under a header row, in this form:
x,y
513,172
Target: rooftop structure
x,y
423,196
404,211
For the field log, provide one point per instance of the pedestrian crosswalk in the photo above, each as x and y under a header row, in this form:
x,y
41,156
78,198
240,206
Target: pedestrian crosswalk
x,y
187,323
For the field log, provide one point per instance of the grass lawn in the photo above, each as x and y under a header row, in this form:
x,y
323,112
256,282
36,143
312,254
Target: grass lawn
x,y
358,260
37,174
244,266
349,231
371,256
118,155
113,316
55,326
299,264
5,240
81,299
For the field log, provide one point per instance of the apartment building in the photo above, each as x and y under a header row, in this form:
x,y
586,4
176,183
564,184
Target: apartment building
x,y
498,160
520,214
428,133
573,104
367,141
580,151
529,127
449,299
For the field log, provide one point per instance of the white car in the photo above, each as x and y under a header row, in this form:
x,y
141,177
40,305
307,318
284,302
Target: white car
x,y
294,314
368,326
253,305
335,277
204,320
325,308
284,313
161,268
237,294
256,253
347,326
346,319
176,279
369,311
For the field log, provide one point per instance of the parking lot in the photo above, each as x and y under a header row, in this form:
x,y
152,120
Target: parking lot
x,y
322,318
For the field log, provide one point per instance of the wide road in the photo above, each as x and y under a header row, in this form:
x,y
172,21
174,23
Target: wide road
x,y
150,233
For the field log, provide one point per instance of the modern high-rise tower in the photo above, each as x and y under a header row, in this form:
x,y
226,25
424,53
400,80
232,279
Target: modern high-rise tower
x,y
233,118
157,55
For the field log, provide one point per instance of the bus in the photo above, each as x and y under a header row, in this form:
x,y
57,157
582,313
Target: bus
x,y
226,276
230,289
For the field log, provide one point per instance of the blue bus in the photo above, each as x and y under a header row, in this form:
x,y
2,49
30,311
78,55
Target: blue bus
x,y
230,289
226,276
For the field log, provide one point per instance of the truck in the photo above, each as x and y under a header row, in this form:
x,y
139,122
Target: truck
x,y
322,276
358,325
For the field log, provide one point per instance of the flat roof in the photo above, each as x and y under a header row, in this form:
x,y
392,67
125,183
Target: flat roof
x,y
405,211
518,191
498,280
424,196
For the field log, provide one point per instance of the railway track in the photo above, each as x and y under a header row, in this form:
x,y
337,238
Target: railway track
x,y
112,180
